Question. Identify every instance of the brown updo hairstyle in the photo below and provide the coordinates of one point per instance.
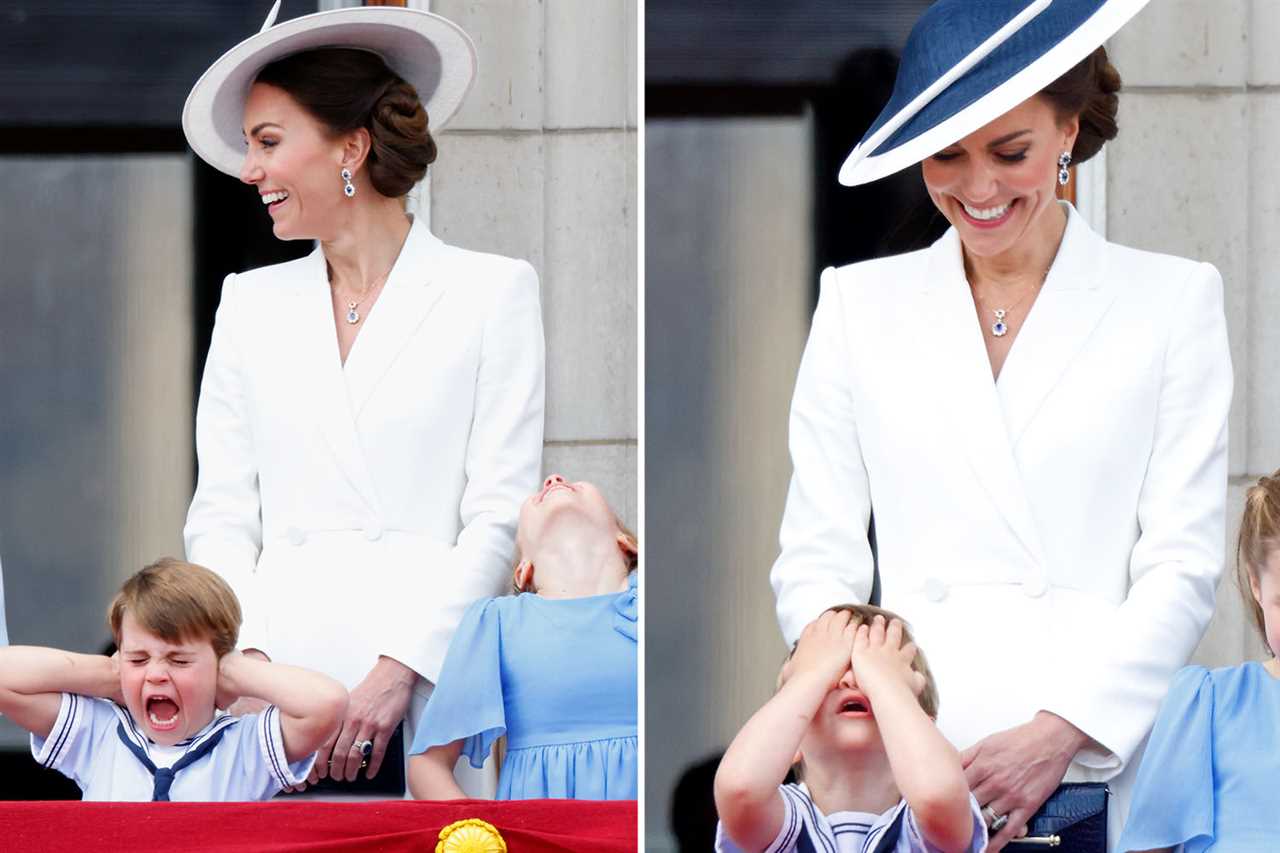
(346, 89)
(1089, 91)
(1259, 538)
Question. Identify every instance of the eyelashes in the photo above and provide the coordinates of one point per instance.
(944, 157)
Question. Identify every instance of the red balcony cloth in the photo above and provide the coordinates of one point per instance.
(529, 826)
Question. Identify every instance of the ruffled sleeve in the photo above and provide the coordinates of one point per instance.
(625, 616)
(467, 702)
(1173, 797)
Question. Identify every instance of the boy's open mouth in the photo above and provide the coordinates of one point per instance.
(854, 705)
(162, 711)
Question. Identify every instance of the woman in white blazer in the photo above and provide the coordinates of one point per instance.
(1035, 416)
(371, 415)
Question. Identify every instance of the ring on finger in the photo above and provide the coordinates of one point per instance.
(999, 823)
(364, 747)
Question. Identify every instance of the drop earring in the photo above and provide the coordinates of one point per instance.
(348, 188)
(1064, 160)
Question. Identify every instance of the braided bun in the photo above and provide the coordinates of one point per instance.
(347, 89)
(1088, 91)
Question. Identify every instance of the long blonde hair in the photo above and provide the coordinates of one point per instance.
(1259, 537)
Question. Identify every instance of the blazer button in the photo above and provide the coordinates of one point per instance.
(1036, 586)
(934, 589)
(296, 535)
(373, 533)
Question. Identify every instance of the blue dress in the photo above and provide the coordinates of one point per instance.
(1209, 777)
(558, 677)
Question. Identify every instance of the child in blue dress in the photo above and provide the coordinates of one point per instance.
(553, 668)
(1209, 777)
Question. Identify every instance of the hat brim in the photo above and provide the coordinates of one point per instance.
(431, 53)
(862, 167)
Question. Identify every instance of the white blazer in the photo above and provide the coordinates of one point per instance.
(358, 509)
(1054, 538)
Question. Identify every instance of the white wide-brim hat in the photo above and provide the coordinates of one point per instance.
(968, 62)
(431, 53)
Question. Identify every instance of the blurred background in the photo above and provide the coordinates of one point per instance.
(115, 240)
(750, 106)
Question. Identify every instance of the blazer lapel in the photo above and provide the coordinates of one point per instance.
(323, 385)
(413, 288)
(969, 406)
(1074, 299)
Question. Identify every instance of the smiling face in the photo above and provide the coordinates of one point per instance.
(996, 185)
(169, 688)
(561, 502)
(295, 164)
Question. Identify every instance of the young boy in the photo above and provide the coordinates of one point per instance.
(143, 725)
(854, 711)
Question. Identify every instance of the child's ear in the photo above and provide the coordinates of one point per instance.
(628, 544)
(524, 576)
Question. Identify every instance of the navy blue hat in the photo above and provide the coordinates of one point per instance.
(968, 62)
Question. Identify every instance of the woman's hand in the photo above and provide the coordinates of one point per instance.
(1014, 771)
(377, 705)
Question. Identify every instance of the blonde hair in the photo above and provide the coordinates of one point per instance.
(1259, 536)
(177, 601)
(864, 613)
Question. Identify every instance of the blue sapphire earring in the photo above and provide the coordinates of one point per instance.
(348, 188)
(1064, 160)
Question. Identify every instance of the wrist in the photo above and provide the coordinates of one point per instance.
(393, 668)
(1061, 732)
(808, 683)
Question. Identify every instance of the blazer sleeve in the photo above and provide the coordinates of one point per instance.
(224, 523)
(1174, 568)
(503, 466)
(826, 555)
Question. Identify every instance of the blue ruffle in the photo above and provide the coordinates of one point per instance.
(625, 611)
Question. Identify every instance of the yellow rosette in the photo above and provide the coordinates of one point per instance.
(471, 836)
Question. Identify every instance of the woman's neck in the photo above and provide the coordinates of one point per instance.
(362, 253)
(579, 566)
(1029, 258)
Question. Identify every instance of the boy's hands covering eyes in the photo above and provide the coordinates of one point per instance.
(879, 656)
(824, 648)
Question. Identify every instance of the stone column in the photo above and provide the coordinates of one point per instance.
(1194, 172)
(540, 163)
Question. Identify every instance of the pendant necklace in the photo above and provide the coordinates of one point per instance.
(353, 308)
(1000, 328)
